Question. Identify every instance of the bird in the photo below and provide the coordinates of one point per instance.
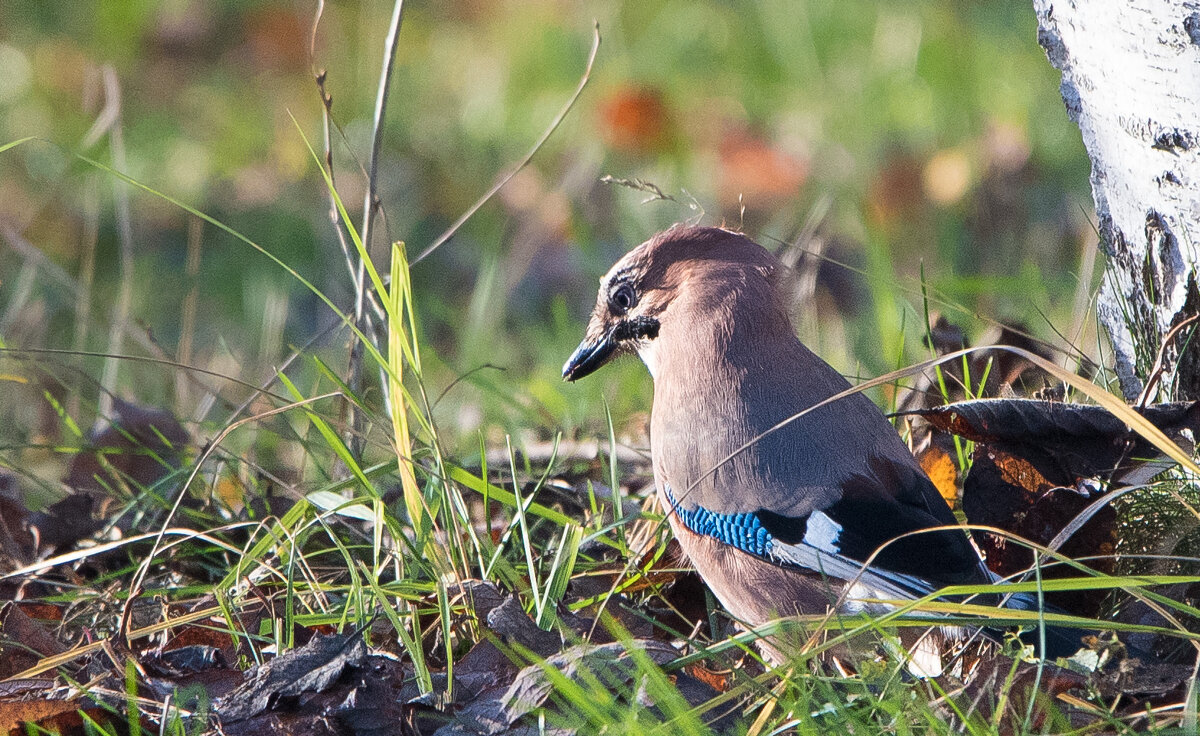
(777, 495)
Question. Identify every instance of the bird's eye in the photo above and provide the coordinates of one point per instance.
(622, 298)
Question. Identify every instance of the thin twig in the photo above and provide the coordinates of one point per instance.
(327, 137)
(329, 124)
(370, 199)
(562, 114)
(312, 36)
(370, 206)
(368, 323)
(116, 140)
(348, 413)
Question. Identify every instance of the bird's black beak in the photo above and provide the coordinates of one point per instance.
(594, 352)
(591, 354)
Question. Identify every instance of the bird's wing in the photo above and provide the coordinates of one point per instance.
(886, 516)
(824, 548)
(866, 518)
(840, 468)
(817, 550)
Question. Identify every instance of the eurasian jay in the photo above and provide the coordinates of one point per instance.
(776, 521)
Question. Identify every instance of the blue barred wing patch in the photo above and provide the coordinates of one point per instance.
(743, 531)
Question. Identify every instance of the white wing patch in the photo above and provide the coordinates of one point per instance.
(823, 533)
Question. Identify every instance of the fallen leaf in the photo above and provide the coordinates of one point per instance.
(1008, 492)
(939, 466)
(23, 641)
(38, 706)
(510, 622)
(1065, 442)
(308, 669)
(610, 664)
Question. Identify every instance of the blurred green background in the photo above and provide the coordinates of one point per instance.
(930, 135)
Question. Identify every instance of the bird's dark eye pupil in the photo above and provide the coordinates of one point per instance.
(623, 298)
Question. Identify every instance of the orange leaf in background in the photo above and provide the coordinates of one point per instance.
(757, 172)
(939, 466)
(39, 610)
(634, 120)
(277, 38)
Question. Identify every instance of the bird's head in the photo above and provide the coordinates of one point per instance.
(681, 280)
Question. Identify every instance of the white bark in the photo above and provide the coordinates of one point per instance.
(1131, 80)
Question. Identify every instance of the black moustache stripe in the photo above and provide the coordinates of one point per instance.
(638, 328)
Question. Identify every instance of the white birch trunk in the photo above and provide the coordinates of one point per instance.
(1131, 81)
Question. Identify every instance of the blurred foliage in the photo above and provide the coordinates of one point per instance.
(935, 127)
